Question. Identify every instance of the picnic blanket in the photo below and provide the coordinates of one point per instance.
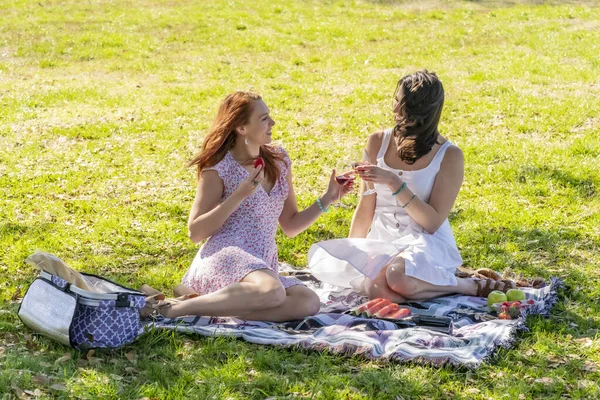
(474, 337)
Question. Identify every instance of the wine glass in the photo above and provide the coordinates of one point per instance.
(365, 161)
(370, 188)
(344, 175)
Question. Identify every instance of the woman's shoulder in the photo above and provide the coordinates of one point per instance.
(452, 150)
(453, 155)
(373, 145)
(221, 167)
(376, 137)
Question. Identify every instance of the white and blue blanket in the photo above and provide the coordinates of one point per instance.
(474, 336)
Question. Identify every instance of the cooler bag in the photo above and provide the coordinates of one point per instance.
(108, 317)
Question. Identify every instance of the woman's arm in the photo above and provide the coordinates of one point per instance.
(363, 216)
(292, 221)
(208, 214)
(443, 194)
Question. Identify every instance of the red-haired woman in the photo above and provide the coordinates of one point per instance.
(239, 203)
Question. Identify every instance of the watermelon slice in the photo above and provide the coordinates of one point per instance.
(363, 307)
(372, 310)
(401, 313)
(387, 310)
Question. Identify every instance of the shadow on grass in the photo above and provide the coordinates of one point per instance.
(532, 252)
(585, 188)
(165, 363)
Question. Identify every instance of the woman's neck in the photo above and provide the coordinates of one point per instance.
(243, 152)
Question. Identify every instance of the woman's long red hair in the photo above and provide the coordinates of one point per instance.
(234, 112)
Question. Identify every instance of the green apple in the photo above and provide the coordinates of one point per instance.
(515, 294)
(496, 296)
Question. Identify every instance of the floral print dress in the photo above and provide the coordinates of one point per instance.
(246, 241)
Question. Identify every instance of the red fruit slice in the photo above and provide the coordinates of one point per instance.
(401, 313)
(531, 301)
(372, 310)
(363, 307)
(259, 162)
(385, 311)
(506, 304)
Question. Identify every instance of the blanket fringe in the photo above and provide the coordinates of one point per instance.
(520, 326)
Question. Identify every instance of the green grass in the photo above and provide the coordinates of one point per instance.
(102, 103)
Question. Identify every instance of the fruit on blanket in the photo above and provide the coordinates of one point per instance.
(496, 296)
(363, 307)
(515, 310)
(515, 294)
(372, 310)
(385, 311)
(401, 313)
(531, 302)
(259, 162)
(504, 315)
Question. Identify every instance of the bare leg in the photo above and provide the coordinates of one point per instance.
(300, 302)
(259, 295)
(416, 289)
(378, 288)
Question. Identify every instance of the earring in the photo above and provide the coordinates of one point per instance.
(246, 141)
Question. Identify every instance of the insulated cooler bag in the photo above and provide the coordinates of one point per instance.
(109, 317)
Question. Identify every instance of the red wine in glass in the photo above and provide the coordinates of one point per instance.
(344, 179)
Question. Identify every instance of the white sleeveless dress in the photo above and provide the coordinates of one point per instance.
(429, 257)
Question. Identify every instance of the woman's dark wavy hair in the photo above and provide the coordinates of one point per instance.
(418, 103)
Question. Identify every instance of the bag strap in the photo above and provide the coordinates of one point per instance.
(120, 299)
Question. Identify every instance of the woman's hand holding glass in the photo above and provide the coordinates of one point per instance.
(340, 184)
(373, 174)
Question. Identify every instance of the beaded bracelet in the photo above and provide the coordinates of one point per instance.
(323, 210)
(399, 190)
(408, 202)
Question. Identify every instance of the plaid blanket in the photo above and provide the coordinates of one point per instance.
(471, 339)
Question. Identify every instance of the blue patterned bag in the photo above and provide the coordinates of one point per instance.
(107, 317)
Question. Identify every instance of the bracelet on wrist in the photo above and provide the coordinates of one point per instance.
(320, 204)
(397, 192)
(411, 199)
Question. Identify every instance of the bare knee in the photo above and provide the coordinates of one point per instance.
(270, 296)
(312, 303)
(374, 290)
(398, 281)
(306, 302)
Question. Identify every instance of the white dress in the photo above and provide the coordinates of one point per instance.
(429, 257)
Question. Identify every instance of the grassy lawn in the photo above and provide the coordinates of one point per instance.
(102, 103)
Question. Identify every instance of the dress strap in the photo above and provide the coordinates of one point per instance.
(385, 142)
(439, 156)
